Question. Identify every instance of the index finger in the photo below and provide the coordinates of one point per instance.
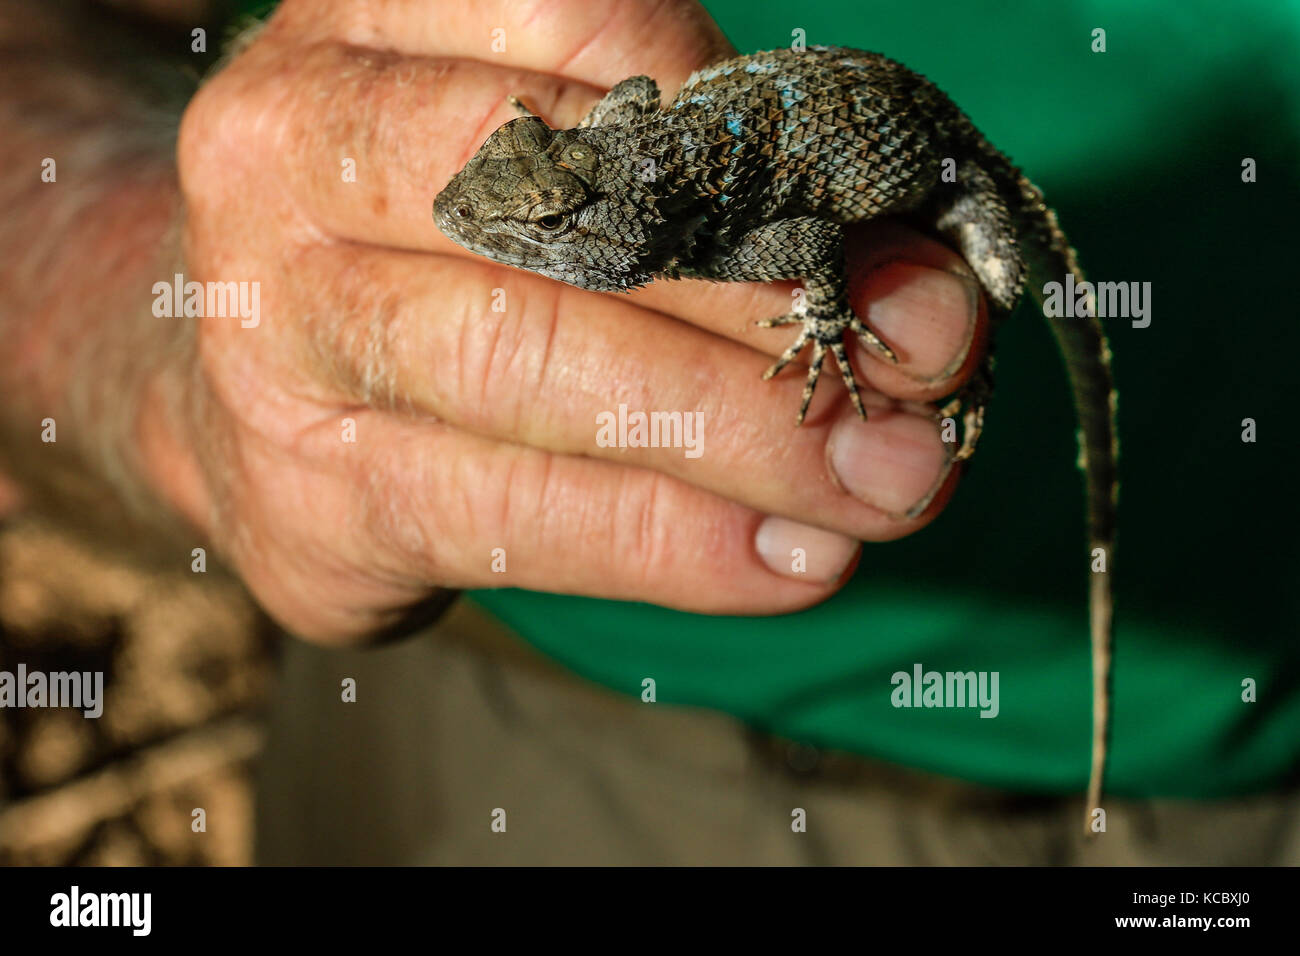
(404, 93)
(598, 42)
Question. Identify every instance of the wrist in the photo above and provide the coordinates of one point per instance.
(167, 458)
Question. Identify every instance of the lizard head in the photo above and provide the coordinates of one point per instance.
(544, 200)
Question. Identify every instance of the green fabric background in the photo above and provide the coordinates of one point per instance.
(1140, 151)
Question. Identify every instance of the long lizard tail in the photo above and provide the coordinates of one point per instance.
(1083, 345)
(1049, 258)
(1087, 361)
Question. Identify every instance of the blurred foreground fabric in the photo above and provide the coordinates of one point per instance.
(186, 662)
(447, 727)
(467, 726)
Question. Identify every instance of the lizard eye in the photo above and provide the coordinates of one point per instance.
(550, 222)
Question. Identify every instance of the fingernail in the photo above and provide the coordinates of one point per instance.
(920, 311)
(892, 462)
(801, 551)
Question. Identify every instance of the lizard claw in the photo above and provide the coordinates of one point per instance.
(519, 106)
(814, 372)
(872, 340)
(971, 403)
(790, 318)
(826, 335)
(846, 375)
(788, 356)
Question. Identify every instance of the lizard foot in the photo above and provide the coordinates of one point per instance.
(971, 402)
(826, 334)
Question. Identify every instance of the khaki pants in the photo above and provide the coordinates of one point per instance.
(452, 727)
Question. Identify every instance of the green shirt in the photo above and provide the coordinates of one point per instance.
(1140, 149)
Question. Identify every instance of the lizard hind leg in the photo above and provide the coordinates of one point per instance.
(971, 403)
(975, 218)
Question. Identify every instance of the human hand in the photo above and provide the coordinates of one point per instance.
(476, 429)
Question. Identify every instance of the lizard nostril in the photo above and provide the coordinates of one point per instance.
(462, 212)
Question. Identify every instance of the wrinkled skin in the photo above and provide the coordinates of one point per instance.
(474, 425)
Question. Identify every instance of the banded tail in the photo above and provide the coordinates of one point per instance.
(1087, 357)
(1087, 363)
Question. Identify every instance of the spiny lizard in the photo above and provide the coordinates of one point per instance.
(751, 174)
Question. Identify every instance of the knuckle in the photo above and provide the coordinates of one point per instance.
(317, 591)
(232, 122)
(358, 340)
(498, 358)
(642, 530)
(410, 531)
(194, 145)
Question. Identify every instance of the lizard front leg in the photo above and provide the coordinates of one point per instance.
(627, 101)
(810, 249)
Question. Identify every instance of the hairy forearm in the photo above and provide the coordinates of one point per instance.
(91, 206)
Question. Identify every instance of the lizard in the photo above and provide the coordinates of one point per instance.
(751, 173)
